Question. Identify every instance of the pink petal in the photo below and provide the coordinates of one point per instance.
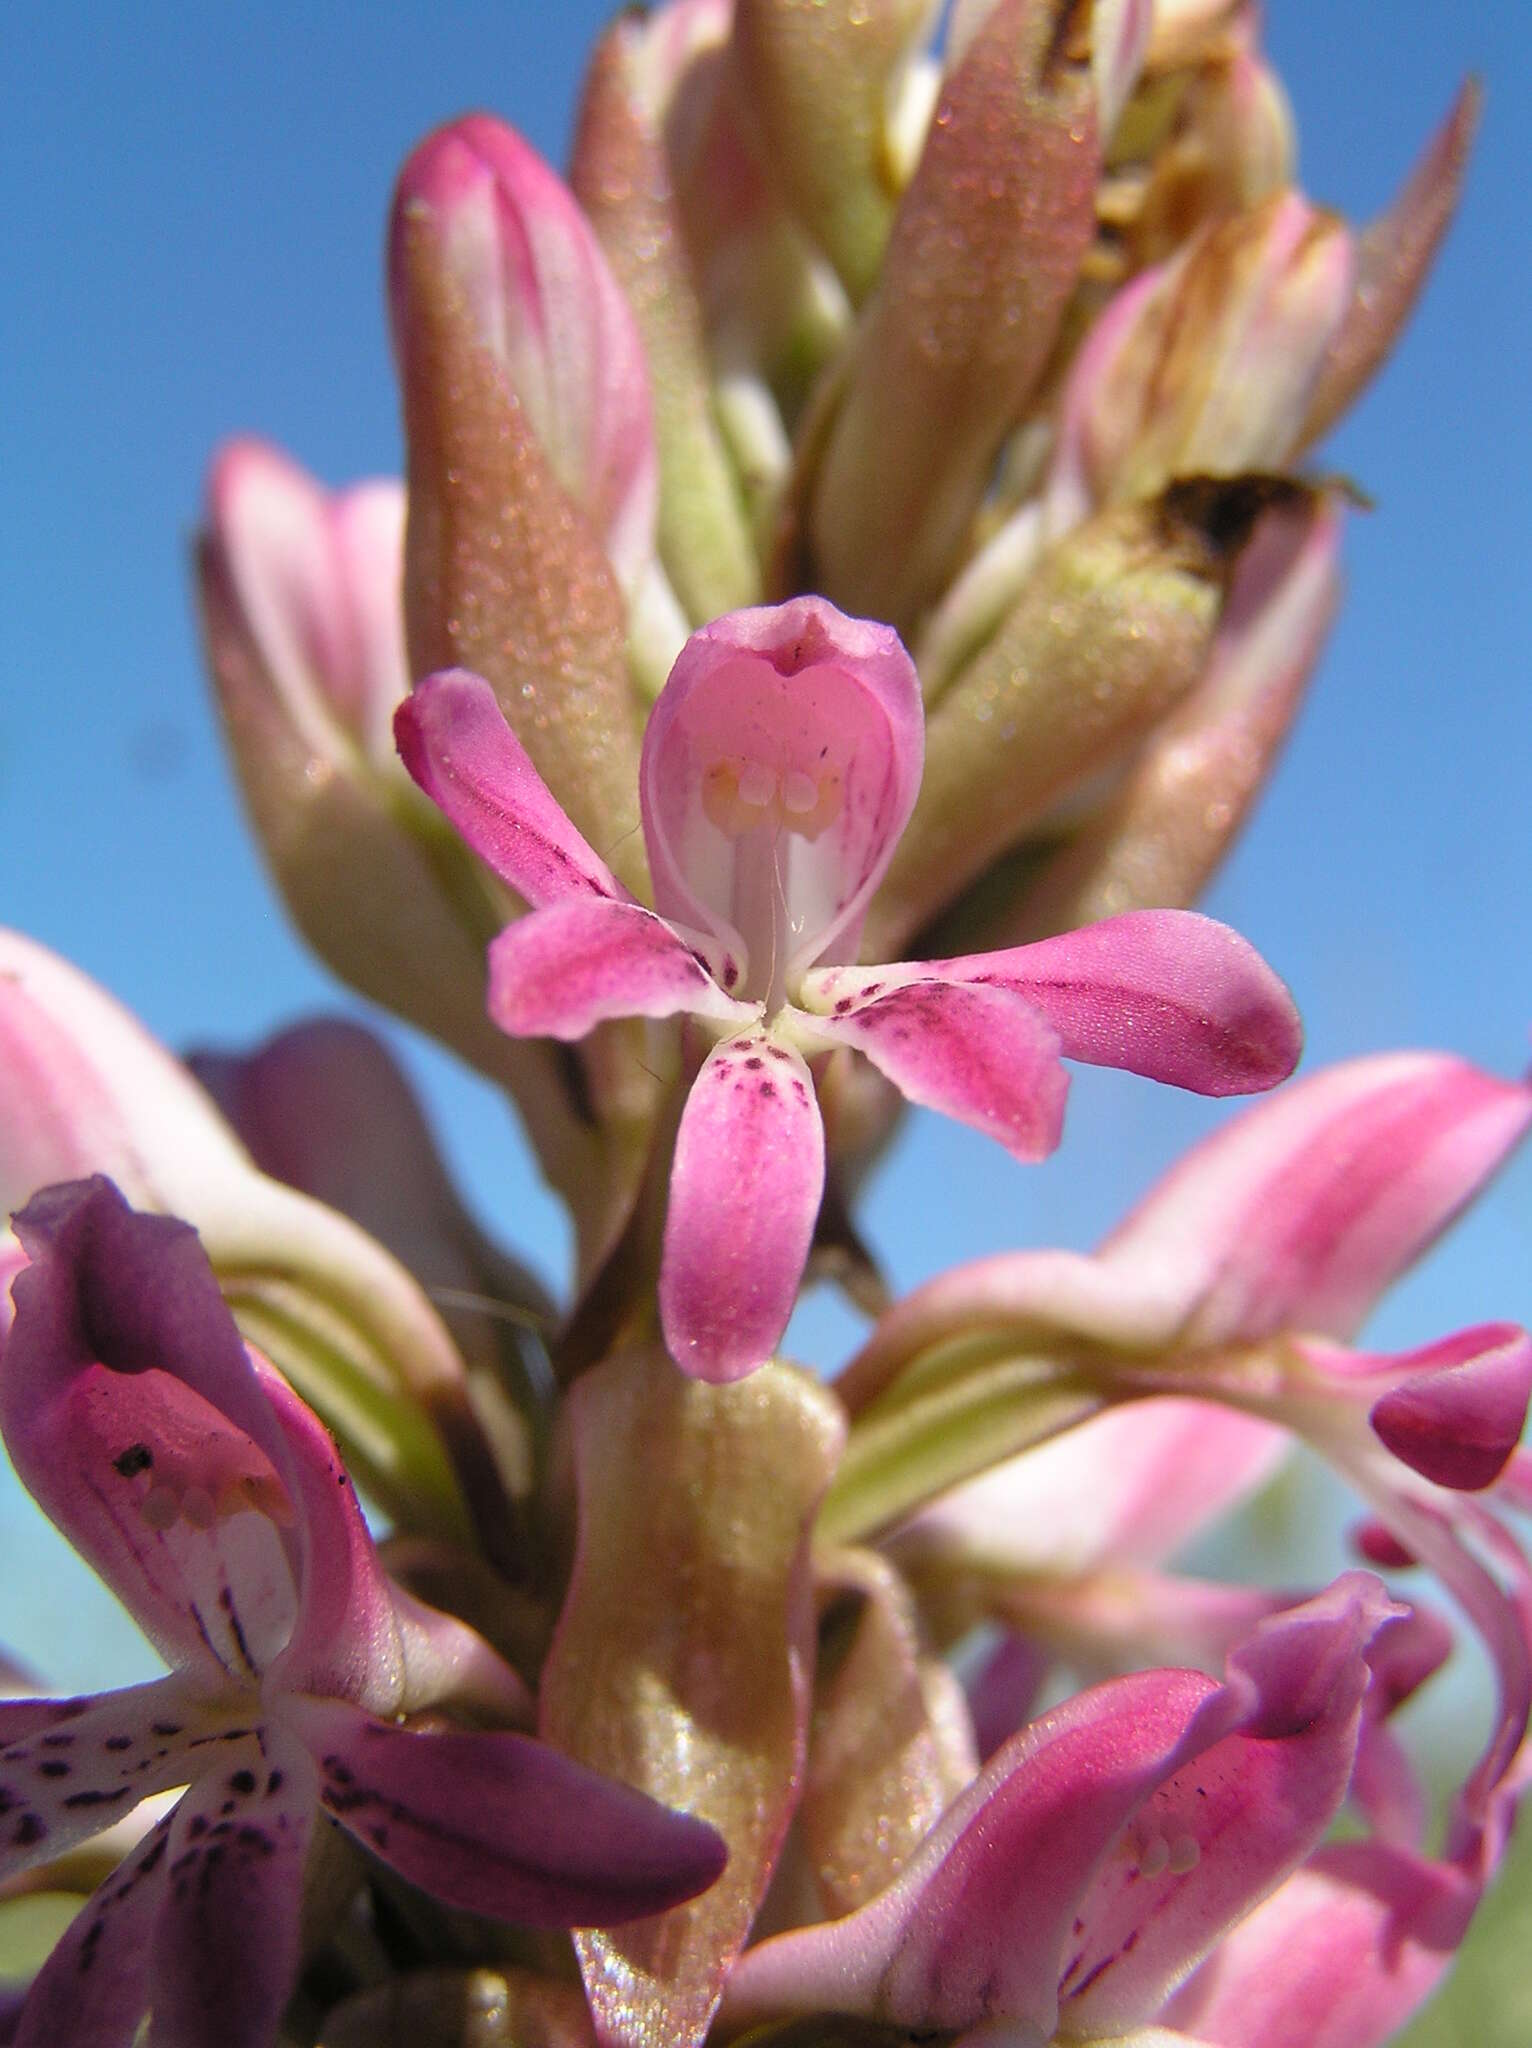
(744, 1192)
(92, 1991)
(822, 705)
(503, 1825)
(1241, 1812)
(1458, 1419)
(356, 1635)
(224, 1952)
(551, 315)
(1339, 1956)
(134, 1417)
(70, 1768)
(85, 1089)
(565, 969)
(309, 584)
(1130, 1486)
(457, 745)
(1017, 1904)
(978, 1054)
(1301, 1211)
(1165, 993)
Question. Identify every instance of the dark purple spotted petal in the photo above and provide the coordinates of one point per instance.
(501, 1824)
(70, 1768)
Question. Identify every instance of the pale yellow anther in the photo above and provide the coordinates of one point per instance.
(738, 795)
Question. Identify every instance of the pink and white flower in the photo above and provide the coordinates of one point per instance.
(779, 767)
(185, 1470)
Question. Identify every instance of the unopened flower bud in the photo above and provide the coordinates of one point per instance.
(622, 177)
(825, 85)
(1107, 635)
(1207, 366)
(506, 570)
(981, 262)
(546, 306)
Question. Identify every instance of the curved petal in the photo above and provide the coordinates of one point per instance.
(224, 1952)
(1131, 1486)
(1339, 1956)
(978, 1054)
(312, 585)
(134, 1417)
(1301, 1211)
(744, 1192)
(503, 1825)
(1017, 1902)
(85, 1089)
(1457, 1419)
(1166, 993)
(454, 740)
(93, 1989)
(71, 1768)
(566, 968)
(799, 719)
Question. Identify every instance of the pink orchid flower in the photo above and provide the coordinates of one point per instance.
(1104, 1850)
(1240, 1280)
(184, 1469)
(779, 767)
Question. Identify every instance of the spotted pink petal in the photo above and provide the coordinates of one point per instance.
(1166, 993)
(566, 968)
(1301, 1211)
(224, 1952)
(549, 312)
(69, 1768)
(1104, 1849)
(503, 1825)
(94, 1987)
(974, 1053)
(454, 740)
(744, 1192)
(826, 710)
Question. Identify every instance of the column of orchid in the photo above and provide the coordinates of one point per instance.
(851, 579)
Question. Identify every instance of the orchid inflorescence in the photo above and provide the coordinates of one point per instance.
(851, 581)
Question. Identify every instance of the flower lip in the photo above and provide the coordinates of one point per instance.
(779, 767)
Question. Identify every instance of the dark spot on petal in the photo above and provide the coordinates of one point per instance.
(730, 973)
(843, 1006)
(53, 1767)
(755, 1061)
(136, 1458)
(165, 1727)
(29, 1829)
(118, 1742)
(242, 1782)
(766, 1088)
(99, 1798)
(779, 1052)
(275, 1782)
(57, 1741)
(196, 1827)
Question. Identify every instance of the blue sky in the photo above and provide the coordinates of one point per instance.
(196, 200)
